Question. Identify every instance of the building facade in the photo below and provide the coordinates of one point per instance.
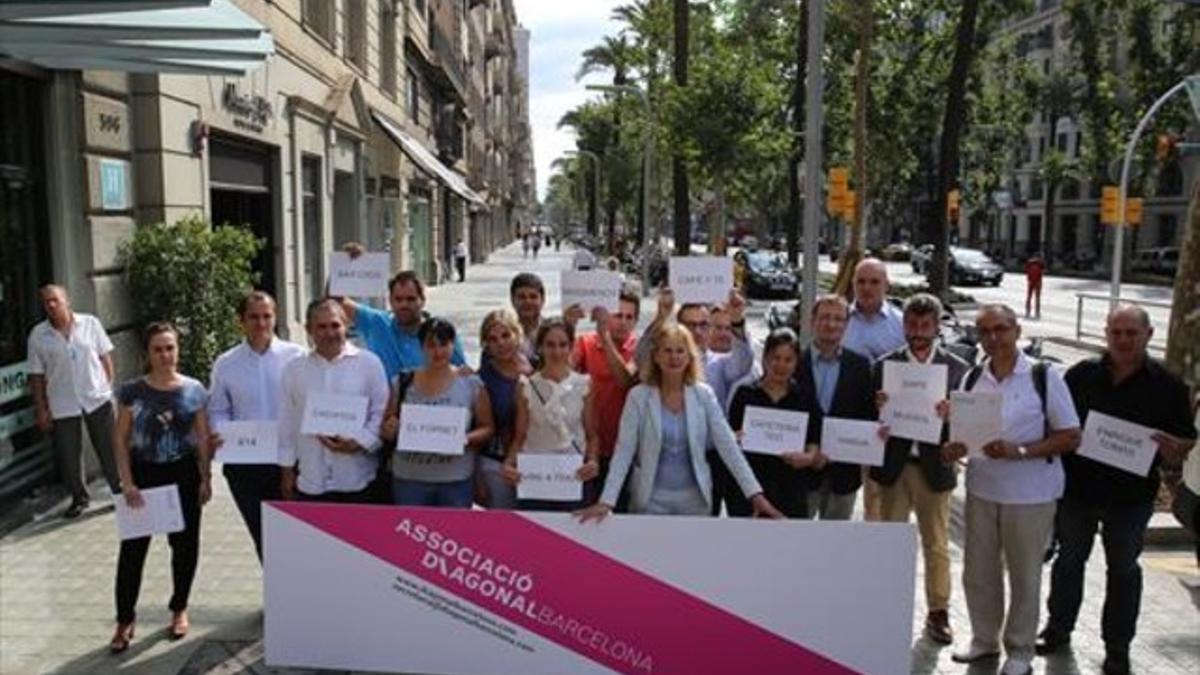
(368, 123)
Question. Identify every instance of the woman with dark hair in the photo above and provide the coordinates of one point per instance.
(161, 438)
(781, 476)
(554, 413)
(427, 478)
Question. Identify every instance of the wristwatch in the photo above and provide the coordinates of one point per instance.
(1023, 451)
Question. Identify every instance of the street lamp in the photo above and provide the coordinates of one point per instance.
(646, 149)
(594, 213)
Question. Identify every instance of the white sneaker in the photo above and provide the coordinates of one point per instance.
(1015, 665)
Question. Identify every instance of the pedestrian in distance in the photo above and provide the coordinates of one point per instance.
(460, 259)
(526, 244)
(427, 478)
(161, 438)
(246, 385)
(319, 467)
(913, 477)
(1035, 268)
(70, 378)
(668, 422)
(502, 369)
(555, 414)
(535, 243)
(1124, 382)
(1012, 492)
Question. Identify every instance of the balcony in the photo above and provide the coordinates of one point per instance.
(447, 60)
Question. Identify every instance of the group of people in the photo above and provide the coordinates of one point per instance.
(656, 421)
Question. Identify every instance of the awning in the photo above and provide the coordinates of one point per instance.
(206, 37)
(427, 161)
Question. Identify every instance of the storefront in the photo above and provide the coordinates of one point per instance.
(241, 192)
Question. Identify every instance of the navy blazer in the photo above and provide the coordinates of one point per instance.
(853, 398)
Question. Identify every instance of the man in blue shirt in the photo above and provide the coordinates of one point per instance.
(392, 336)
(875, 327)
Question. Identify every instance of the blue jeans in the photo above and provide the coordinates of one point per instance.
(1122, 533)
(456, 494)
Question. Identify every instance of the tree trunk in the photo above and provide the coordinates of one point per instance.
(1183, 337)
(679, 177)
(793, 212)
(854, 250)
(952, 123)
(1051, 186)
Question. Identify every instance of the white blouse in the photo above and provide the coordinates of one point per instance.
(555, 413)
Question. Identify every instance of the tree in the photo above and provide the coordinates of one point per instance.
(679, 176)
(1057, 94)
(1183, 336)
(192, 275)
(853, 253)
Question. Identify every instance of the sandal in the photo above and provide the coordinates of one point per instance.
(121, 638)
(179, 625)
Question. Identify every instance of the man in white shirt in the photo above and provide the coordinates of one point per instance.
(460, 260)
(246, 386)
(1012, 492)
(330, 468)
(70, 377)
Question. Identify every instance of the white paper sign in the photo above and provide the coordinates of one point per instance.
(329, 414)
(160, 514)
(913, 391)
(437, 429)
(851, 441)
(595, 288)
(771, 431)
(363, 277)
(704, 279)
(549, 476)
(976, 419)
(1116, 442)
(248, 442)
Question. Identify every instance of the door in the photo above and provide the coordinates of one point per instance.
(241, 192)
(419, 239)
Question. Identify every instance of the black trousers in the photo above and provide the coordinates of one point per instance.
(461, 264)
(251, 485)
(185, 544)
(782, 485)
(364, 496)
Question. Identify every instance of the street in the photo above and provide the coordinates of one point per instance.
(56, 576)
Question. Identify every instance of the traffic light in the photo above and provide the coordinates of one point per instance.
(1133, 211)
(952, 206)
(1110, 210)
(849, 206)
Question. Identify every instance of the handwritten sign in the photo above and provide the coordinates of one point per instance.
(549, 476)
(913, 392)
(598, 288)
(1118, 443)
(437, 429)
(363, 277)
(160, 514)
(249, 442)
(976, 419)
(330, 414)
(702, 279)
(851, 441)
(772, 432)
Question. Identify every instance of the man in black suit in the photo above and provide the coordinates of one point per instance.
(913, 476)
(839, 384)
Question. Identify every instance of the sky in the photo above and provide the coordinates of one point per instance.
(560, 30)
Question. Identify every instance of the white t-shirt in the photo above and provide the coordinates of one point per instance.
(460, 250)
(75, 378)
(1023, 481)
(555, 413)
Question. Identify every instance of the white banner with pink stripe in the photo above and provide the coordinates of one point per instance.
(455, 591)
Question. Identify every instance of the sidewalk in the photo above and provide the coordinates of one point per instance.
(56, 577)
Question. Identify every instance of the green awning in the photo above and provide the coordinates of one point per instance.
(164, 36)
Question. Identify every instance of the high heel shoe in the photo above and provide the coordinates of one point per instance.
(179, 625)
(121, 638)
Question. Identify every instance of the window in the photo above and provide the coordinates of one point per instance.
(1041, 147)
(310, 191)
(317, 16)
(1168, 225)
(413, 97)
(1062, 143)
(1078, 143)
(356, 33)
(387, 47)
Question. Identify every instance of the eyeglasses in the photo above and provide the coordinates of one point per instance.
(985, 331)
(697, 325)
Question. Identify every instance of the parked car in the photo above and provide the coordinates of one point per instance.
(900, 251)
(768, 274)
(972, 266)
(920, 257)
(1164, 261)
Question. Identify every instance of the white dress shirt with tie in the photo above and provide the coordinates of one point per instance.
(354, 372)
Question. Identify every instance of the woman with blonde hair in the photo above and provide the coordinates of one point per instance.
(502, 368)
(669, 420)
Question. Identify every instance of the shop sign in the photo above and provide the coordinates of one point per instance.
(114, 184)
(13, 382)
(249, 111)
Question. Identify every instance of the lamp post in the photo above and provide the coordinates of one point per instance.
(593, 213)
(814, 118)
(646, 150)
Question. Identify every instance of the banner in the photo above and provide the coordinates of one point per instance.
(460, 591)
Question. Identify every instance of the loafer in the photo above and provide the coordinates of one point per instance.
(1051, 641)
(1014, 665)
(975, 653)
(1116, 662)
(937, 627)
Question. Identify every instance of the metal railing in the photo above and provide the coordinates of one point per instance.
(1159, 342)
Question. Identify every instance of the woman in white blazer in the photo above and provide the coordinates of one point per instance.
(667, 424)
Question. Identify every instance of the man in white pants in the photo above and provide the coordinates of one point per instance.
(1011, 493)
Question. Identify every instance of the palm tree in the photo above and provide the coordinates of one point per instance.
(1057, 94)
(615, 54)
